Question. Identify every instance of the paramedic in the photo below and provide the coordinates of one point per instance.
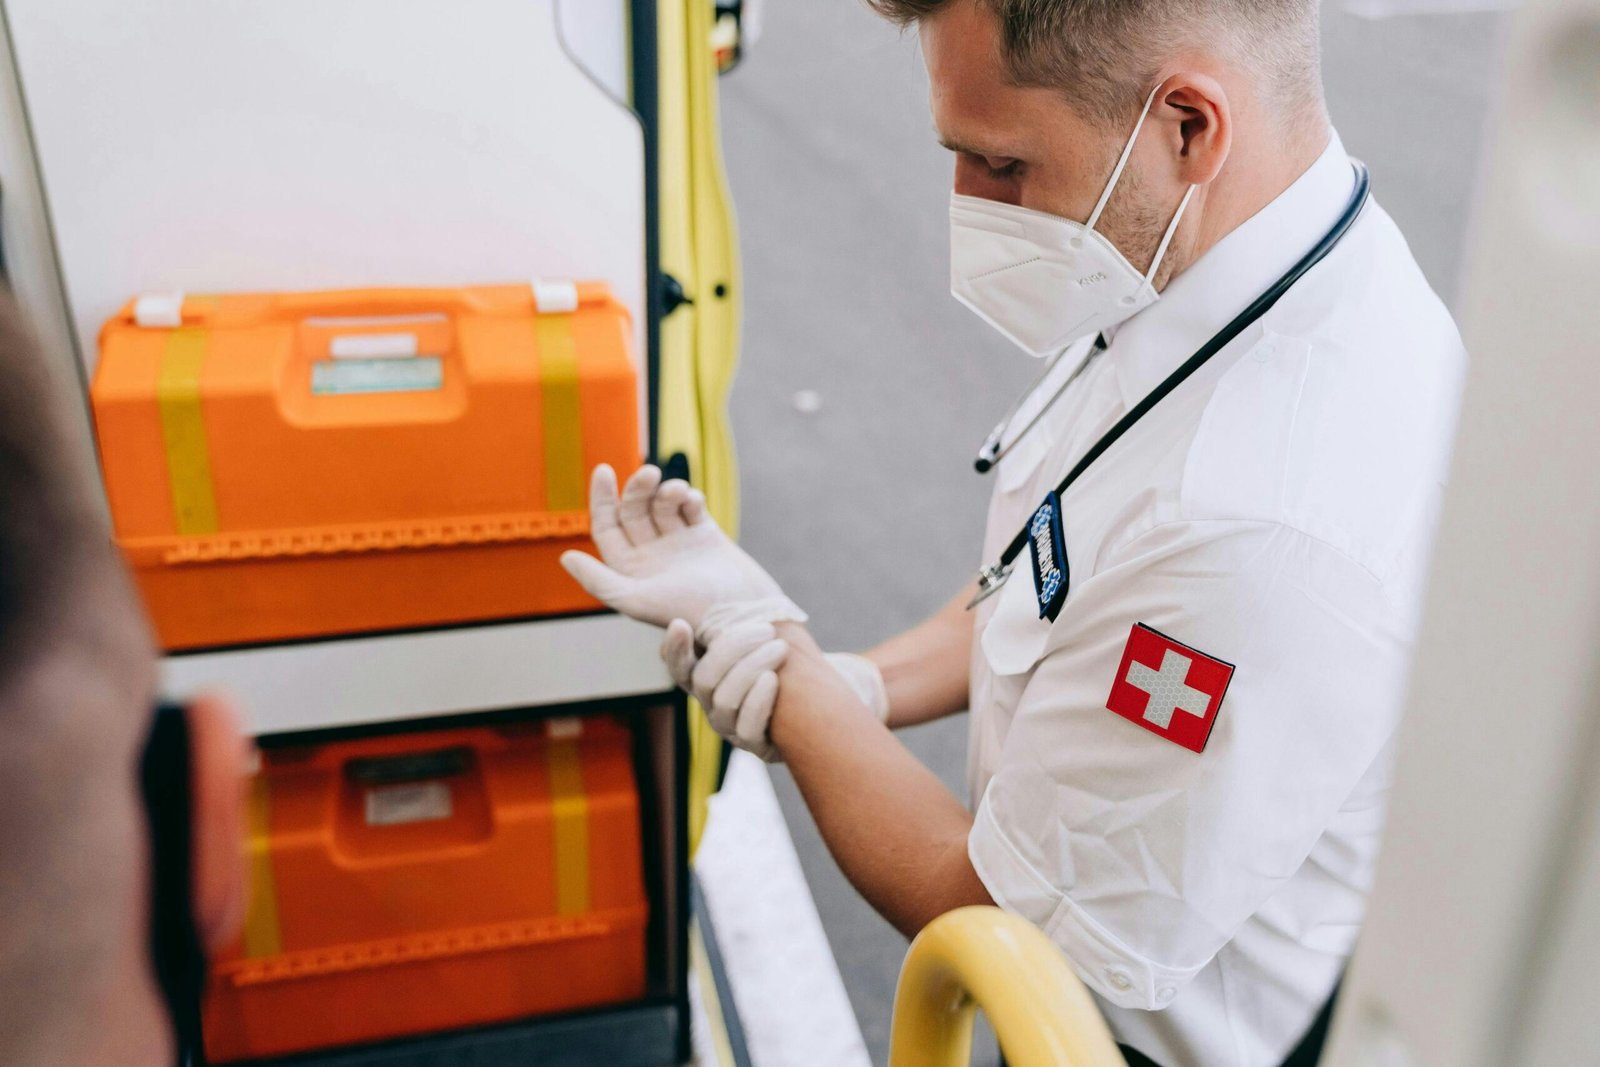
(78, 984)
(1181, 775)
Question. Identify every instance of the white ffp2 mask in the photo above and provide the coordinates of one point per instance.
(1044, 281)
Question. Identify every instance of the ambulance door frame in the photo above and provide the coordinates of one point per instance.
(645, 102)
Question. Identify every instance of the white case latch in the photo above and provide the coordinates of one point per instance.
(156, 311)
(555, 297)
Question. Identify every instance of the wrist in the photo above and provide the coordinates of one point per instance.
(801, 643)
(721, 616)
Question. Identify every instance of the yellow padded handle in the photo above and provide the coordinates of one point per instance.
(984, 958)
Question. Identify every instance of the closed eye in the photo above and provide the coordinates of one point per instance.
(994, 167)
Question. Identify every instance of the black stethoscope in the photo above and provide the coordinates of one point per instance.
(1043, 530)
(992, 451)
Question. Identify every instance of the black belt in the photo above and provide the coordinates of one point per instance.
(1305, 1054)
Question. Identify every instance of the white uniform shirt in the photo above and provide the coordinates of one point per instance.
(1273, 513)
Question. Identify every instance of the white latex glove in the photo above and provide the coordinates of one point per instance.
(736, 680)
(664, 556)
(865, 678)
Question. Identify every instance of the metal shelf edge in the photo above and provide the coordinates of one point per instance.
(357, 680)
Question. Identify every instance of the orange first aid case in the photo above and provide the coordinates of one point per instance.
(418, 883)
(292, 465)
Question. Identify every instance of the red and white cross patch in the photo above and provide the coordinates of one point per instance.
(1169, 688)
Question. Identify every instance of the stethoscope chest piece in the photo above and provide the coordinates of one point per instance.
(990, 581)
(1047, 549)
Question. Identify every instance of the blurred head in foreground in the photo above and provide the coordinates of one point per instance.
(78, 970)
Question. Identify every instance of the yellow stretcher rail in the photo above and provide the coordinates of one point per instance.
(982, 957)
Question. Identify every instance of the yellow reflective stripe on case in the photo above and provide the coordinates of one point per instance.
(565, 481)
(261, 934)
(183, 431)
(569, 809)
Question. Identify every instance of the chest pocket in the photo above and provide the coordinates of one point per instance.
(1056, 415)
(1016, 471)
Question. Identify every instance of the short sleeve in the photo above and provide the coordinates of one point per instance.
(1138, 856)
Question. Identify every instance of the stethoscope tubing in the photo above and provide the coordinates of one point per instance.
(993, 451)
(992, 577)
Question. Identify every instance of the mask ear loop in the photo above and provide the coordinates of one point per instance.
(1166, 238)
(1122, 161)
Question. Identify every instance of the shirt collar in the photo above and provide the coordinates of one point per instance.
(1232, 273)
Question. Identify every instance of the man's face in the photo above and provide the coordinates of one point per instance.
(1027, 146)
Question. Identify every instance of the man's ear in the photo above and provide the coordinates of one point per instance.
(220, 757)
(1201, 124)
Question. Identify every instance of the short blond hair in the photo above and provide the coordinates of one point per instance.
(1104, 55)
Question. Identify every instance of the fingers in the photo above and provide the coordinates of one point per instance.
(728, 701)
(735, 681)
(634, 512)
(728, 648)
(694, 507)
(667, 507)
(677, 652)
(603, 524)
(601, 582)
(755, 719)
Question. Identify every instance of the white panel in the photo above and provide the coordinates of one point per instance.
(791, 998)
(1479, 946)
(30, 262)
(299, 144)
(596, 33)
(407, 676)
(29, 253)
(1560, 1026)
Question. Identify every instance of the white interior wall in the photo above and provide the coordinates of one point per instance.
(596, 34)
(302, 144)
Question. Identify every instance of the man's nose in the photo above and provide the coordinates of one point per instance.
(972, 178)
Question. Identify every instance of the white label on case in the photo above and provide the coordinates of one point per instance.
(374, 346)
(336, 378)
(395, 805)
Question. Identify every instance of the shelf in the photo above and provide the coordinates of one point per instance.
(360, 680)
(618, 1037)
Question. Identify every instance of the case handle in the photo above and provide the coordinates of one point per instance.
(379, 303)
(543, 296)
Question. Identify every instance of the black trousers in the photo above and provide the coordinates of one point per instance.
(1305, 1054)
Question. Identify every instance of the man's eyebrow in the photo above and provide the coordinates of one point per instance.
(953, 145)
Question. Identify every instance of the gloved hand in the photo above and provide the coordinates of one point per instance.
(664, 556)
(736, 680)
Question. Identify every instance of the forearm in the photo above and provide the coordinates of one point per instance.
(897, 833)
(926, 669)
